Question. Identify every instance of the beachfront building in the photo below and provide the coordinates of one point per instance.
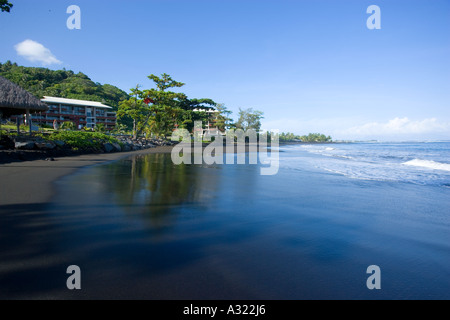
(211, 127)
(81, 112)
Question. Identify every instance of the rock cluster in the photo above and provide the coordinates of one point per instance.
(31, 148)
(130, 144)
(37, 143)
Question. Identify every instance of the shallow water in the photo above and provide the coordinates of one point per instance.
(145, 228)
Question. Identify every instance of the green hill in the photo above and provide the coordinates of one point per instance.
(62, 83)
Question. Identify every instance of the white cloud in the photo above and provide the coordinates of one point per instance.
(399, 126)
(354, 128)
(35, 52)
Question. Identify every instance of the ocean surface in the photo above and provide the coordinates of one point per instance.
(144, 228)
(417, 163)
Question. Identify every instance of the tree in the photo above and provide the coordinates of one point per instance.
(249, 119)
(166, 108)
(5, 5)
(286, 137)
(165, 82)
(100, 127)
(189, 116)
(68, 125)
(316, 137)
(155, 111)
(120, 129)
(223, 120)
(136, 109)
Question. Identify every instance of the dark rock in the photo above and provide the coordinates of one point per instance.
(108, 147)
(45, 145)
(117, 147)
(127, 147)
(27, 145)
(6, 142)
(59, 143)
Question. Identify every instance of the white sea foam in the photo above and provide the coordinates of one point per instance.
(379, 162)
(343, 157)
(428, 164)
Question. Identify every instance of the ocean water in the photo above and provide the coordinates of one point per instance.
(407, 162)
(144, 228)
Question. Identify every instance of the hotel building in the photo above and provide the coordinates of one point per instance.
(82, 113)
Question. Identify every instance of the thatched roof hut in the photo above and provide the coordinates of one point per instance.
(15, 100)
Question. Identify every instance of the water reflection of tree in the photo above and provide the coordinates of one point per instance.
(152, 186)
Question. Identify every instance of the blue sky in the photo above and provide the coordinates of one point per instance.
(310, 66)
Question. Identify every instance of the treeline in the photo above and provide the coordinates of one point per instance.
(159, 110)
(62, 83)
(312, 137)
(154, 111)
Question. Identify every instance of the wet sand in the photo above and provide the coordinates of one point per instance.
(32, 181)
(32, 242)
(142, 228)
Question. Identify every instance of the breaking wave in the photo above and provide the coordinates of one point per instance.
(429, 164)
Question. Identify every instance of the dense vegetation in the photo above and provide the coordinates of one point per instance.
(61, 83)
(159, 110)
(81, 139)
(5, 5)
(312, 137)
(154, 111)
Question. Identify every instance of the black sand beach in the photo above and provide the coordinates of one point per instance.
(31, 181)
(143, 228)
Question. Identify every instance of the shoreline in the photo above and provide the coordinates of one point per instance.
(148, 253)
(32, 182)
